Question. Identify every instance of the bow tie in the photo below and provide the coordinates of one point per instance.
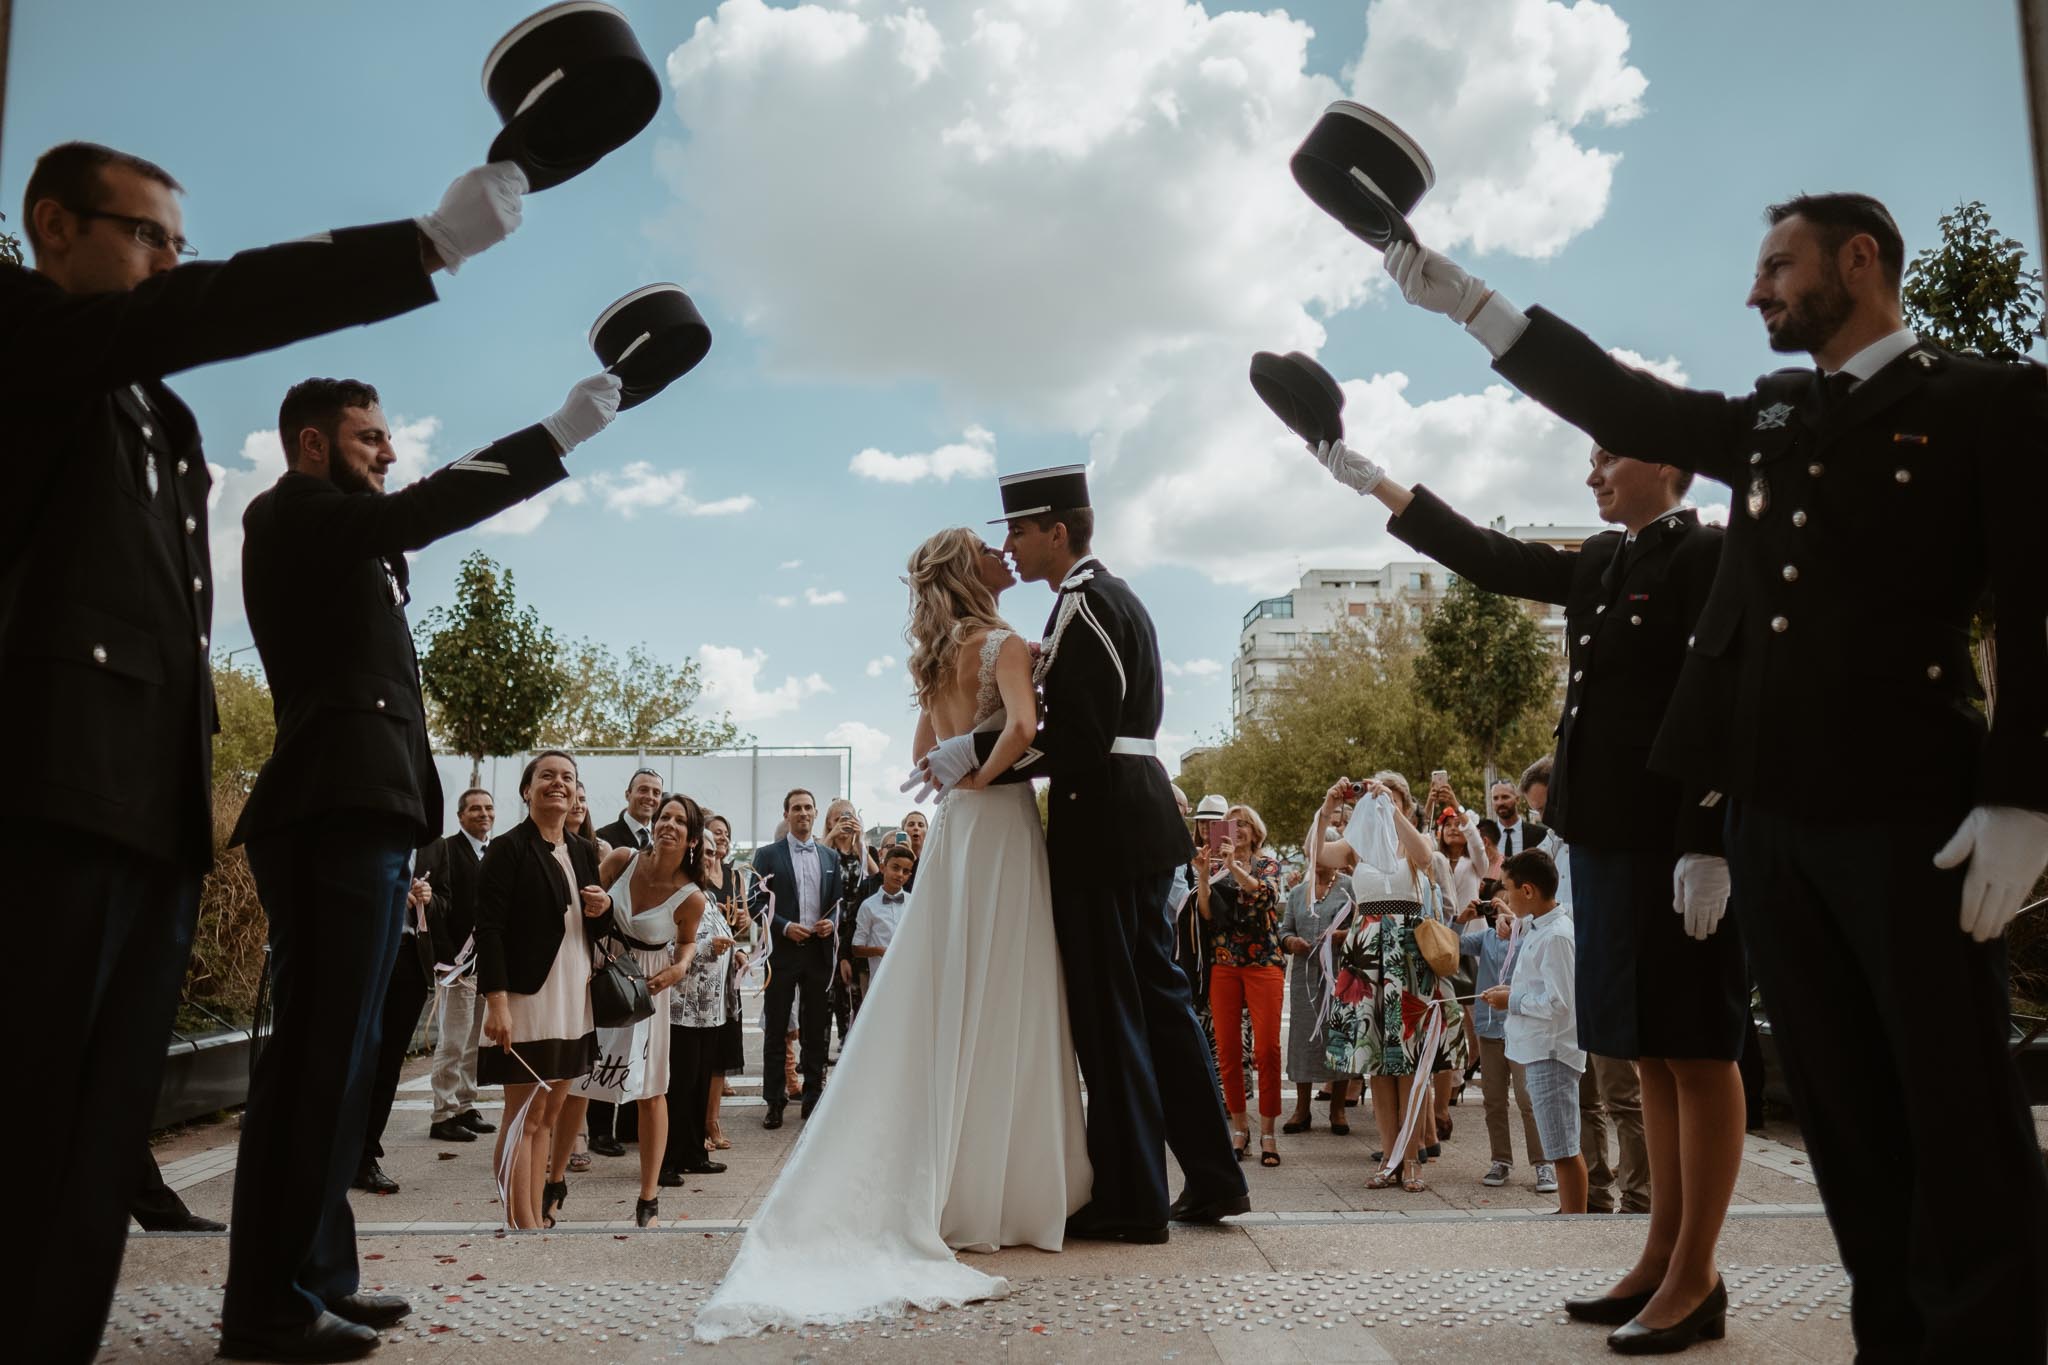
(810, 847)
(888, 899)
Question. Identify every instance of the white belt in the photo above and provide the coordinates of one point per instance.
(1138, 748)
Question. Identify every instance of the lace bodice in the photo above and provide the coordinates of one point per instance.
(988, 700)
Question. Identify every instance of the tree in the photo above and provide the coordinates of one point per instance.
(248, 728)
(640, 704)
(492, 670)
(1484, 665)
(10, 245)
(1974, 293)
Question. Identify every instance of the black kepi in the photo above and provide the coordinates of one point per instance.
(571, 85)
(1063, 488)
(1362, 170)
(649, 339)
(1301, 394)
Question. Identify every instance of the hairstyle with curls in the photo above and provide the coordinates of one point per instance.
(948, 603)
(693, 832)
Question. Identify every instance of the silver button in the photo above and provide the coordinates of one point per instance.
(1756, 457)
(99, 654)
(1691, 640)
(1791, 573)
(183, 465)
(1904, 476)
(1780, 624)
(1671, 524)
(1598, 610)
(1073, 796)
(146, 430)
(1575, 710)
(1934, 672)
(1578, 675)
(198, 584)
(1585, 639)
(1816, 469)
(1799, 518)
(380, 703)
(191, 525)
(1635, 620)
(204, 642)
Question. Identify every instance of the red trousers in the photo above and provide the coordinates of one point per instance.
(1232, 990)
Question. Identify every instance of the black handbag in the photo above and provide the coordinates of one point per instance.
(619, 996)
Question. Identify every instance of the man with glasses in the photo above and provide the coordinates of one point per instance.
(106, 604)
(612, 1126)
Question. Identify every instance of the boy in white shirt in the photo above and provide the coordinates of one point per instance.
(1542, 1026)
(876, 923)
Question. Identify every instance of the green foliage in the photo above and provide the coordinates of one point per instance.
(1973, 293)
(1352, 707)
(642, 703)
(248, 727)
(1485, 665)
(491, 669)
(10, 245)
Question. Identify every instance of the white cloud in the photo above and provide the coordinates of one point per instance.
(1668, 369)
(732, 682)
(974, 456)
(1193, 668)
(791, 564)
(879, 764)
(833, 598)
(877, 667)
(783, 601)
(524, 517)
(641, 487)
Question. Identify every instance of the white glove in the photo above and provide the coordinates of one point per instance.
(480, 209)
(2006, 848)
(1433, 281)
(587, 410)
(943, 766)
(1348, 467)
(1699, 893)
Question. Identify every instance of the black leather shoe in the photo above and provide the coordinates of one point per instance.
(1214, 1210)
(553, 1194)
(774, 1119)
(370, 1176)
(1708, 1322)
(327, 1337)
(183, 1221)
(475, 1123)
(705, 1167)
(374, 1311)
(452, 1130)
(1606, 1309)
(605, 1145)
(1081, 1228)
(670, 1178)
(810, 1103)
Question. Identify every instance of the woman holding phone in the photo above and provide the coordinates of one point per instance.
(1237, 894)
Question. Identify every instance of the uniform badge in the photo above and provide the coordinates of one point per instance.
(1759, 496)
(149, 473)
(397, 593)
(1773, 416)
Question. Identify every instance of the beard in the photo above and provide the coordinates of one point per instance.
(350, 479)
(1812, 319)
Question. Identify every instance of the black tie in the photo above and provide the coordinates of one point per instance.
(1834, 388)
(641, 835)
(1509, 839)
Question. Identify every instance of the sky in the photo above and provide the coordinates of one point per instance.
(938, 242)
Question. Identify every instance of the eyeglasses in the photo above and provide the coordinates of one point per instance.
(147, 231)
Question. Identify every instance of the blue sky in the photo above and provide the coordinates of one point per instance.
(1053, 234)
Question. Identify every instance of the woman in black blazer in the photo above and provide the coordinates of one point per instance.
(538, 908)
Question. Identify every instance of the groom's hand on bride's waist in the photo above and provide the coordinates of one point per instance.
(943, 766)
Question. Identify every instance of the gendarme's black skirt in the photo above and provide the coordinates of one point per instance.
(1645, 989)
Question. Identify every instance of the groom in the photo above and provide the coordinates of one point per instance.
(1150, 1079)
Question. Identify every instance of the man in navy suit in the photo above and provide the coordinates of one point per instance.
(800, 881)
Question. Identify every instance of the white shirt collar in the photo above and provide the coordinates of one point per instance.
(1673, 510)
(476, 845)
(1074, 575)
(1879, 354)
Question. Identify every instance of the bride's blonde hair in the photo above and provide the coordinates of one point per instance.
(948, 603)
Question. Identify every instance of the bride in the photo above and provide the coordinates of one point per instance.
(958, 1090)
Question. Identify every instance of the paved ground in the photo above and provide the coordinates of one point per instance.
(1323, 1270)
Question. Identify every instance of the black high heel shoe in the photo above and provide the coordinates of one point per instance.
(645, 1210)
(1708, 1322)
(1609, 1310)
(553, 1194)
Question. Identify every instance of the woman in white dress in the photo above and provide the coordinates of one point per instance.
(960, 1093)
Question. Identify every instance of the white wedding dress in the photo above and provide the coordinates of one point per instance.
(953, 1119)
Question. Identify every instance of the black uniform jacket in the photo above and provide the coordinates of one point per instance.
(520, 904)
(106, 588)
(1627, 617)
(1863, 536)
(1108, 816)
(451, 915)
(772, 860)
(324, 579)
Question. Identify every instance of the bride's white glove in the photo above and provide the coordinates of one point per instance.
(1699, 893)
(2006, 847)
(942, 767)
(1348, 467)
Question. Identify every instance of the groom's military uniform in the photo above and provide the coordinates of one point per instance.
(1113, 840)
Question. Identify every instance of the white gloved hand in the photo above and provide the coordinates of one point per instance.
(480, 210)
(1348, 467)
(2006, 848)
(587, 410)
(1433, 281)
(1699, 893)
(943, 766)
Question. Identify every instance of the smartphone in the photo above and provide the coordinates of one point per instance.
(1438, 777)
(1220, 835)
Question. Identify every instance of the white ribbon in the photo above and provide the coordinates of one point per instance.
(1420, 1089)
(515, 1129)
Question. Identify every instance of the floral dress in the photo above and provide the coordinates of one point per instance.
(1379, 1007)
(1244, 921)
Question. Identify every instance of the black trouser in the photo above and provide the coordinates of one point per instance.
(335, 891)
(1151, 1078)
(404, 997)
(100, 1002)
(155, 1202)
(692, 1058)
(1892, 1028)
(799, 974)
(619, 1121)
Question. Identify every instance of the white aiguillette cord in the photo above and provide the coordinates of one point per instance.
(515, 1128)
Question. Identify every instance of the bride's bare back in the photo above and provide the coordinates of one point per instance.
(973, 693)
